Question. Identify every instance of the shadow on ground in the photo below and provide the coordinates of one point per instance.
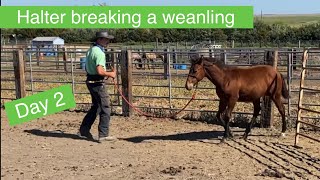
(190, 136)
(57, 134)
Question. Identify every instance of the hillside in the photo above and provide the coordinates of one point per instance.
(290, 19)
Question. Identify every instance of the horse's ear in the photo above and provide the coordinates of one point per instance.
(200, 59)
(197, 59)
(193, 58)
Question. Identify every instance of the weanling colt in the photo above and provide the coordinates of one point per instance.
(235, 84)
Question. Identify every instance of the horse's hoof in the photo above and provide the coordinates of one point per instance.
(230, 135)
(223, 140)
(245, 136)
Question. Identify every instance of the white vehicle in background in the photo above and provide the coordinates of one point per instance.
(206, 49)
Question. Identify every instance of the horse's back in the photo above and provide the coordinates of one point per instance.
(151, 55)
(135, 56)
(251, 73)
(252, 82)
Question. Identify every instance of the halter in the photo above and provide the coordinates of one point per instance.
(194, 75)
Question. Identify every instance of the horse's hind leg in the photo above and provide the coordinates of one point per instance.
(139, 65)
(256, 111)
(277, 101)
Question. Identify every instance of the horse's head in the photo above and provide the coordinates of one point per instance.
(196, 73)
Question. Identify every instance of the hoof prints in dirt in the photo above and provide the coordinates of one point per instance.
(280, 160)
(172, 170)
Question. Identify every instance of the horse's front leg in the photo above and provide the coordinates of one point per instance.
(221, 110)
(149, 63)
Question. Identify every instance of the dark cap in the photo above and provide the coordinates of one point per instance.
(103, 34)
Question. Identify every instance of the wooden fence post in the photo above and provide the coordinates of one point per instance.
(126, 81)
(24, 57)
(56, 55)
(65, 57)
(38, 56)
(19, 68)
(267, 111)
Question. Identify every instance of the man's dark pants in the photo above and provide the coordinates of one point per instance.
(100, 105)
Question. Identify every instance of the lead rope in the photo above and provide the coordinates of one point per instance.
(152, 115)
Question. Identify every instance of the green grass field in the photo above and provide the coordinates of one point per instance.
(290, 19)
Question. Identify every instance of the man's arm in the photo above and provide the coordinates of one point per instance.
(102, 72)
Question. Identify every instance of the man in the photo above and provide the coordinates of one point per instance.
(96, 72)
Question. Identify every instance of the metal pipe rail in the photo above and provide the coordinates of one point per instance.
(13, 80)
(309, 110)
(7, 89)
(307, 117)
(6, 98)
(312, 68)
(186, 98)
(91, 103)
(310, 89)
(191, 110)
(165, 86)
(7, 70)
(306, 104)
(309, 124)
(304, 135)
(42, 90)
(217, 51)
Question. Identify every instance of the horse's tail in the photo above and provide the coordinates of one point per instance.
(284, 91)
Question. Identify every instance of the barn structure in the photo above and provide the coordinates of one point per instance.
(47, 45)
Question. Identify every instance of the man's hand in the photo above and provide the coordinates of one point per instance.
(112, 73)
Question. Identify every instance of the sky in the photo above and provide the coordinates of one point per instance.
(266, 6)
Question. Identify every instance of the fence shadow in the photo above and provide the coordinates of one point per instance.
(190, 136)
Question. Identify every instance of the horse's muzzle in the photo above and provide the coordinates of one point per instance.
(189, 86)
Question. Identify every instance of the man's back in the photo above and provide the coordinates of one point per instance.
(95, 57)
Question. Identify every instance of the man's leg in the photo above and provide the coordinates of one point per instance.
(105, 112)
(92, 113)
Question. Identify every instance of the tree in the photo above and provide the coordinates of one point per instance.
(262, 31)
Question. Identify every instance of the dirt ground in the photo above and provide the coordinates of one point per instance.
(48, 148)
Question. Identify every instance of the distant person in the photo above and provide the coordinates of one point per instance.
(96, 73)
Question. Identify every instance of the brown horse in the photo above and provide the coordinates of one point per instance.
(235, 84)
(136, 57)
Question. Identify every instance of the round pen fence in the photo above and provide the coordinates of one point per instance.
(155, 84)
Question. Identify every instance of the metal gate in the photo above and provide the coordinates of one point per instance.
(307, 112)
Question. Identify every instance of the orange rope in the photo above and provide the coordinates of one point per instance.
(147, 114)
